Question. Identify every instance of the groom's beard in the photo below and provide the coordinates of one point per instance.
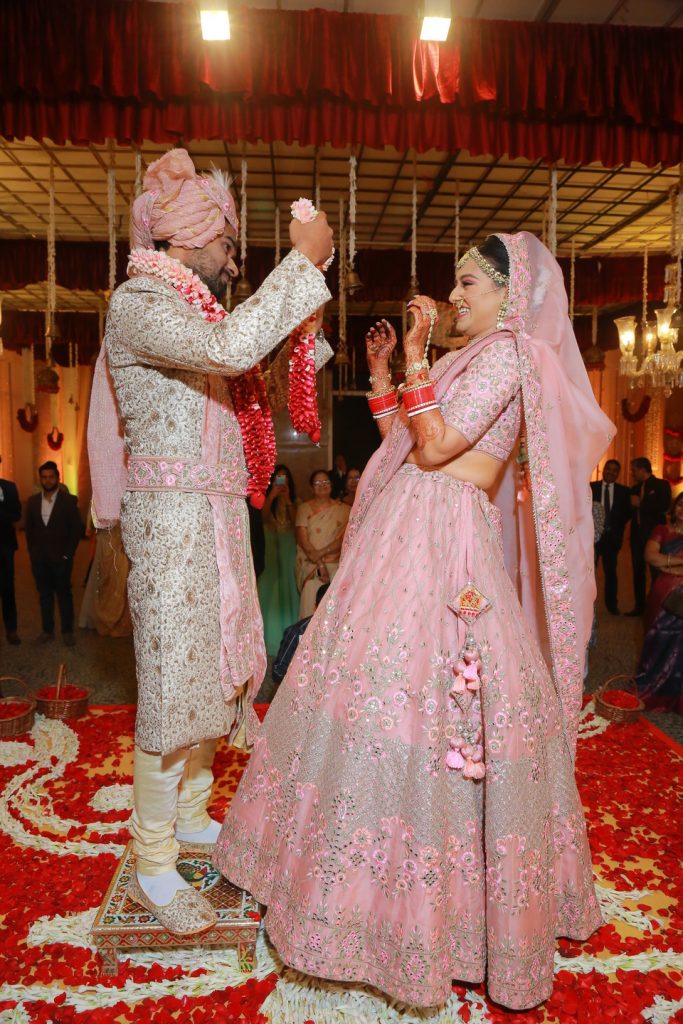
(214, 281)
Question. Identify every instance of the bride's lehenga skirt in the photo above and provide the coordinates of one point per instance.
(377, 861)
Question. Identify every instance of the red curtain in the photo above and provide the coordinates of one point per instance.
(135, 70)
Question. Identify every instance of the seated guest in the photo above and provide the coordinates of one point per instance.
(320, 526)
(660, 671)
(351, 482)
(290, 640)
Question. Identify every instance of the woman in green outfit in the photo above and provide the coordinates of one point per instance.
(277, 588)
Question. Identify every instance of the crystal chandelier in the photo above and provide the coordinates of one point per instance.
(659, 367)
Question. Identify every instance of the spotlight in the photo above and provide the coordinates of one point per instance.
(435, 30)
(215, 24)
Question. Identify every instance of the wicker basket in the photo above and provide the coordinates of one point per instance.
(63, 707)
(23, 721)
(614, 714)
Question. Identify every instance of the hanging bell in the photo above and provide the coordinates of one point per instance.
(53, 332)
(353, 282)
(676, 321)
(242, 291)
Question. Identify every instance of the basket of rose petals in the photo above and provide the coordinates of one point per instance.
(618, 700)
(63, 699)
(17, 710)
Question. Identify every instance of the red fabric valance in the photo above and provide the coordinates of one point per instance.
(135, 70)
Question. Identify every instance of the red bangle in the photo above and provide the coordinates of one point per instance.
(383, 404)
(420, 398)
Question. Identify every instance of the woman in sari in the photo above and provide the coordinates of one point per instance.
(277, 590)
(351, 481)
(409, 813)
(660, 671)
(320, 526)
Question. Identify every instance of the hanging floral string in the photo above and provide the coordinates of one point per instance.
(572, 281)
(456, 232)
(138, 173)
(317, 180)
(278, 250)
(552, 212)
(51, 270)
(413, 240)
(678, 243)
(342, 357)
(111, 222)
(646, 254)
(1, 345)
(243, 218)
(352, 211)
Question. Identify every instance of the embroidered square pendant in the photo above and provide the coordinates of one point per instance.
(469, 603)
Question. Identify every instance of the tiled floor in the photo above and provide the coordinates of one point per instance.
(108, 665)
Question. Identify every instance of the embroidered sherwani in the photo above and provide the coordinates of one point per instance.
(162, 355)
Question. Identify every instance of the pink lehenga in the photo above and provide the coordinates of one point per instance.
(409, 814)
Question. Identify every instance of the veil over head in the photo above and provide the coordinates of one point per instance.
(549, 541)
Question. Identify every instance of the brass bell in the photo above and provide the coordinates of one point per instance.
(353, 282)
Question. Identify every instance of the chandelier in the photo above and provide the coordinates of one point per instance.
(660, 363)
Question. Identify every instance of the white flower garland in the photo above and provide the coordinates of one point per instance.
(456, 233)
(278, 249)
(243, 217)
(111, 222)
(51, 269)
(552, 212)
(413, 239)
(352, 211)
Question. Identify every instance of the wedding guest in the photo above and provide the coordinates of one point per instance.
(615, 499)
(53, 530)
(650, 500)
(10, 513)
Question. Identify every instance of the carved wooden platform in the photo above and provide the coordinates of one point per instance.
(122, 925)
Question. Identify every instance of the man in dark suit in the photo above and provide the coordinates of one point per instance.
(53, 530)
(10, 513)
(616, 500)
(650, 501)
(338, 475)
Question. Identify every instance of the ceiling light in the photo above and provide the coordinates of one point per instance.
(435, 30)
(215, 24)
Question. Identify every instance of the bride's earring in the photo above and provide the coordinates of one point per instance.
(502, 313)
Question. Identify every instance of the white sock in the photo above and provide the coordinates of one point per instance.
(207, 835)
(162, 888)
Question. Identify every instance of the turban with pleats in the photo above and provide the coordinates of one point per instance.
(179, 206)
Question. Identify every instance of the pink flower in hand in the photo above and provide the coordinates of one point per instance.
(303, 210)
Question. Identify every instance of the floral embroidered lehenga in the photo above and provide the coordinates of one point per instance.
(382, 856)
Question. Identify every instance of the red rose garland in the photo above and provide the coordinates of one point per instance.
(303, 400)
(250, 401)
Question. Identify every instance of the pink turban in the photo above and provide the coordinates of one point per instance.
(179, 206)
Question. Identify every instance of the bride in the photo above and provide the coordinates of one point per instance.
(409, 814)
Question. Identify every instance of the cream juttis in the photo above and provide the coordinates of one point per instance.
(382, 856)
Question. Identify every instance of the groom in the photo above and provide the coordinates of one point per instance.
(197, 626)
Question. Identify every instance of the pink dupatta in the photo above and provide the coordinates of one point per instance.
(548, 541)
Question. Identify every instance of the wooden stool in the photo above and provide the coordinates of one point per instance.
(122, 925)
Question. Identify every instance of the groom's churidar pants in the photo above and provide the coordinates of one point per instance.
(171, 790)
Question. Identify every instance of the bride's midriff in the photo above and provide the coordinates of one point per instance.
(476, 467)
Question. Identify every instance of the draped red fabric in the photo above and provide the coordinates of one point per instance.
(134, 70)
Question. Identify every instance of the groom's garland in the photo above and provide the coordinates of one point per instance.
(248, 391)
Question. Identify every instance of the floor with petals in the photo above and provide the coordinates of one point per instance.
(65, 796)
